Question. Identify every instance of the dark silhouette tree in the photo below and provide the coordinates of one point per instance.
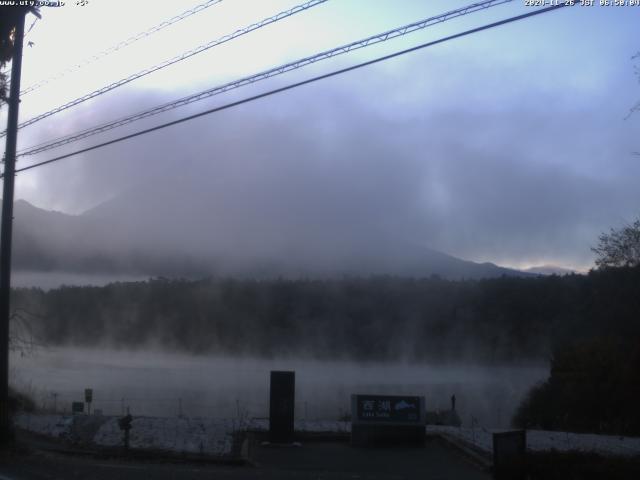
(620, 247)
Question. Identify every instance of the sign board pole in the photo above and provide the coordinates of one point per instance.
(88, 398)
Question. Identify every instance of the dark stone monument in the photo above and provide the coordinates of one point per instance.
(509, 455)
(387, 420)
(281, 406)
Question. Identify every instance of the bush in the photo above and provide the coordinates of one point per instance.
(20, 402)
(594, 386)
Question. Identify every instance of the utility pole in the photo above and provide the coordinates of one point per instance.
(7, 226)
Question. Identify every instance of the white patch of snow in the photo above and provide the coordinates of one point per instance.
(50, 425)
(207, 436)
(310, 426)
(211, 436)
(190, 435)
(542, 440)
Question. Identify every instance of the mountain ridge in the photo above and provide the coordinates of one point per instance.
(102, 240)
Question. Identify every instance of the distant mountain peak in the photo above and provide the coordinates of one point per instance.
(550, 270)
(126, 237)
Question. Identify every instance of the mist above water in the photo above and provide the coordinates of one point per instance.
(51, 280)
(167, 384)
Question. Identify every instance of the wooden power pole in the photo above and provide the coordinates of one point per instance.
(7, 227)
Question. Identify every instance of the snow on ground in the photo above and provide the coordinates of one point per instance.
(207, 436)
(307, 426)
(541, 440)
(191, 435)
(215, 437)
(50, 425)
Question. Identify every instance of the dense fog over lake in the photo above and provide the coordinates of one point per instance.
(155, 383)
(420, 198)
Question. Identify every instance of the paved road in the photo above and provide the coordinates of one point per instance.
(317, 460)
(339, 460)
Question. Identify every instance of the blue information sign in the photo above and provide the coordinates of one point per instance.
(388, 408)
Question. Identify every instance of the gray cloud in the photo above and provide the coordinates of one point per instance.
(510, 178)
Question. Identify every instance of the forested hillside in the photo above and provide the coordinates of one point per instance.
(493, 320)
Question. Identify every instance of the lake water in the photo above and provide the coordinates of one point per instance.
(167, 384)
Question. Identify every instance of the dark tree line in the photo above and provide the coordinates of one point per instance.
(381, 318)
(594, 386)
(587, 326)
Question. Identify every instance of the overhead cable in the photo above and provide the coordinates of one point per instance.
(297, 84)
(243, 31)
(121, 45)
(272, 72)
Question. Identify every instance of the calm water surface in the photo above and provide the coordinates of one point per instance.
(165, 384)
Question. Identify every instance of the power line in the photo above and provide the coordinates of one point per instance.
(381, 37)
(121, 45)
(298, 84)
(243, 31)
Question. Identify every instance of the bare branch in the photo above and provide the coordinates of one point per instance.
(21, 335)
(619, 247)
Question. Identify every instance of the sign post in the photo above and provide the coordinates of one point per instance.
(88, 398)
(387, 419)
(125, 425)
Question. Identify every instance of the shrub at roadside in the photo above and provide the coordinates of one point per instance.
(594, 386)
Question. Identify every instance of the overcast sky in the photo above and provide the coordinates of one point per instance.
(509, 146)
